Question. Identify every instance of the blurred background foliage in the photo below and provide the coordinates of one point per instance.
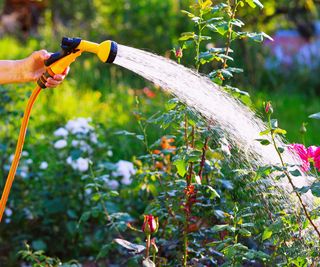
(107, 93)
(155, 26)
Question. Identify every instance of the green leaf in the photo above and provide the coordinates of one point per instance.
(189, 14)
(265, 132)
(264, 142)
(135, 248)
(254, 3)
(267, 233)
(295, 173)
(245, 232)
(315, 116)
(95, 197)
(315, 189)
(213, 192)
(279, 131)
(181, 167)
(186, 36)
(274, 123)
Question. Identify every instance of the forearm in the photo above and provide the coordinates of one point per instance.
(12, 71)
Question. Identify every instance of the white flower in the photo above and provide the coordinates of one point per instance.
(109, 153)
(124, 169)
(93, 138)
(75, 143)
(29, 161)
(43, 165)
(60, 144)
(69, 160)
(61, 132)
(25, 153)
(7, 220)
(82, 164)
(8, 212)
(11, 158)
(112, 184)
(79, 125)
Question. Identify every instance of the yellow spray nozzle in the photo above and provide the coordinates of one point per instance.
(71, 49)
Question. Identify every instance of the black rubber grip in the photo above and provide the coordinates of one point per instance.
(113, 52)
(43, 79)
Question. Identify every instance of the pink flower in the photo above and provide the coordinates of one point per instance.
(311, 151)
(307, 155)
(316, 158)
(303, 154)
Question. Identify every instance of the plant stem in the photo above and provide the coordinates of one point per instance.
(148, 241)
(230, 28)
(203, 157)
(185, 243)
(293, 186)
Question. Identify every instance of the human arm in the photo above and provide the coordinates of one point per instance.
(28, 69)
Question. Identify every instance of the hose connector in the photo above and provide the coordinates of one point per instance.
(71, 48)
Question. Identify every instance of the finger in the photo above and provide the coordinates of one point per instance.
(59, 77)
(52, 82)
(66, 71)
(41, 54)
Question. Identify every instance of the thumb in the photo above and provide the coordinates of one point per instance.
(41, 54)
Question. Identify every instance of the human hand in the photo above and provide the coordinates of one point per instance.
(33, 68)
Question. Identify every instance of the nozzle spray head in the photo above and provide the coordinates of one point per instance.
(107, 51)
(71, 49)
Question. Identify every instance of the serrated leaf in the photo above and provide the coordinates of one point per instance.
(135, 248)
(181, 167)
(186, 36)
(315, 116)
(267, 233)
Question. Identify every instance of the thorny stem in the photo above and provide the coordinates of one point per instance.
(230, 28)
(185, 241)
(186, 130)
(203, 157)
(293, 186)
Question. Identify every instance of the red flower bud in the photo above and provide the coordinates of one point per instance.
(150, 224)
(268, 108)
(179, 53)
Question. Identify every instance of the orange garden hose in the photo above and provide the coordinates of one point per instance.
(17, 154)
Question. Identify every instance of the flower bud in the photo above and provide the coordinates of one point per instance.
(303, 128)
(179, 53)
(268, 108)
(150, 224)
(154, 247)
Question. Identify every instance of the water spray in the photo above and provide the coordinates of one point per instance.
(71, 48)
